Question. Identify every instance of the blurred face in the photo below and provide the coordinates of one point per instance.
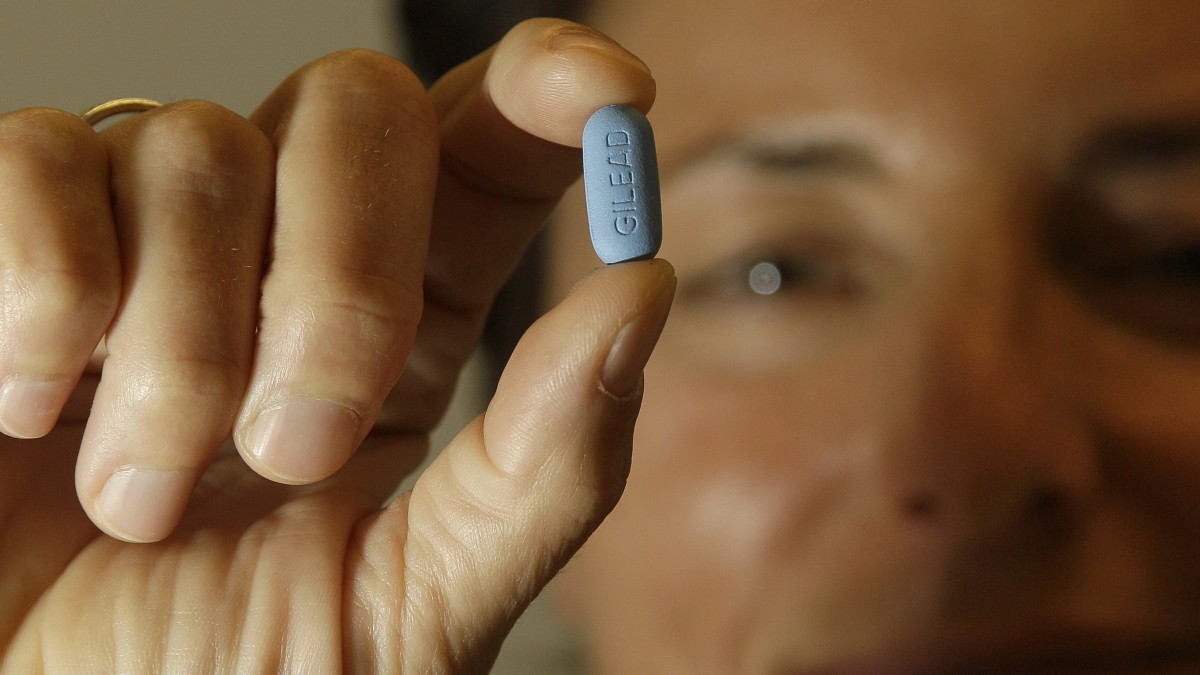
(929, 397)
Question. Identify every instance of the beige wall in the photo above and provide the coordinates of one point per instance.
(72, 54)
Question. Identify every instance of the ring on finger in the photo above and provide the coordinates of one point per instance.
(117, 106)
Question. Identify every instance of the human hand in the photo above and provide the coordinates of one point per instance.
(272, 292)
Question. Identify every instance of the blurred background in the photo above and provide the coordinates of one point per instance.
(72, 54)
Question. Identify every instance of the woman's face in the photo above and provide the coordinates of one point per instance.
(930, 392)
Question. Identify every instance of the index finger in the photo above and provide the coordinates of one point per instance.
(511, 122)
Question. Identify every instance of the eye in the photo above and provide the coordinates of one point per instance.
(784, 300)
(798, 274)
(778, 275)
(1136, 276)
(1129, 241)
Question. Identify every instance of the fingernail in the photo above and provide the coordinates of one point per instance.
(304, 441)
(143, 505)
(631, 349)
(29, 408)
(580, 37)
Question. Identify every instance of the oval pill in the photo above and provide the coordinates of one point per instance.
(620, 181)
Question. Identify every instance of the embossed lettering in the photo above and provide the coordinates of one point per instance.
(620, 178)
(626, 224)
(618, 137)
(620, 158)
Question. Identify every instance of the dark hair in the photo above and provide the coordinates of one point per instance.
(440, 34)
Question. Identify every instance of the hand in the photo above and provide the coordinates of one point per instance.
(295, 283)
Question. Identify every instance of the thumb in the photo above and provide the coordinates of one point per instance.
(439, 577)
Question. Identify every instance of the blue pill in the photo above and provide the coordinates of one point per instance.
(620, 181)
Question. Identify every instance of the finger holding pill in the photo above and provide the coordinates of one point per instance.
(620, 178)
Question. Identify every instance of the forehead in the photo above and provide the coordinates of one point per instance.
(1021, 71)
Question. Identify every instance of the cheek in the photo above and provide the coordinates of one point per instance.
(728, 472)
(714, 462)
(727, 458)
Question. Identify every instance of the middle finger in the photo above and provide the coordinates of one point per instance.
(341, 300)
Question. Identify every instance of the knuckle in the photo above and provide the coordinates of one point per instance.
(375, 305)
(540, 30)
(202, 150)
(169, 369)
(61, 293)
(347, 307)
(363, 71)
(387, 94)
(48, 142)
(57, 267)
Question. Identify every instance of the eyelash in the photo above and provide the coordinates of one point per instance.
(1177, 266)
(1126, 252)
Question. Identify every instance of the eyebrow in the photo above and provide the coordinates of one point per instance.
(795, 157)
(1151, 146)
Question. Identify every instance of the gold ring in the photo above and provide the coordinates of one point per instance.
(117, 107)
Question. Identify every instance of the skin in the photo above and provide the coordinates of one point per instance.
(959, 437)
(269, 290)
(962, 435)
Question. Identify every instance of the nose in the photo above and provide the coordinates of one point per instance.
(992, 446)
